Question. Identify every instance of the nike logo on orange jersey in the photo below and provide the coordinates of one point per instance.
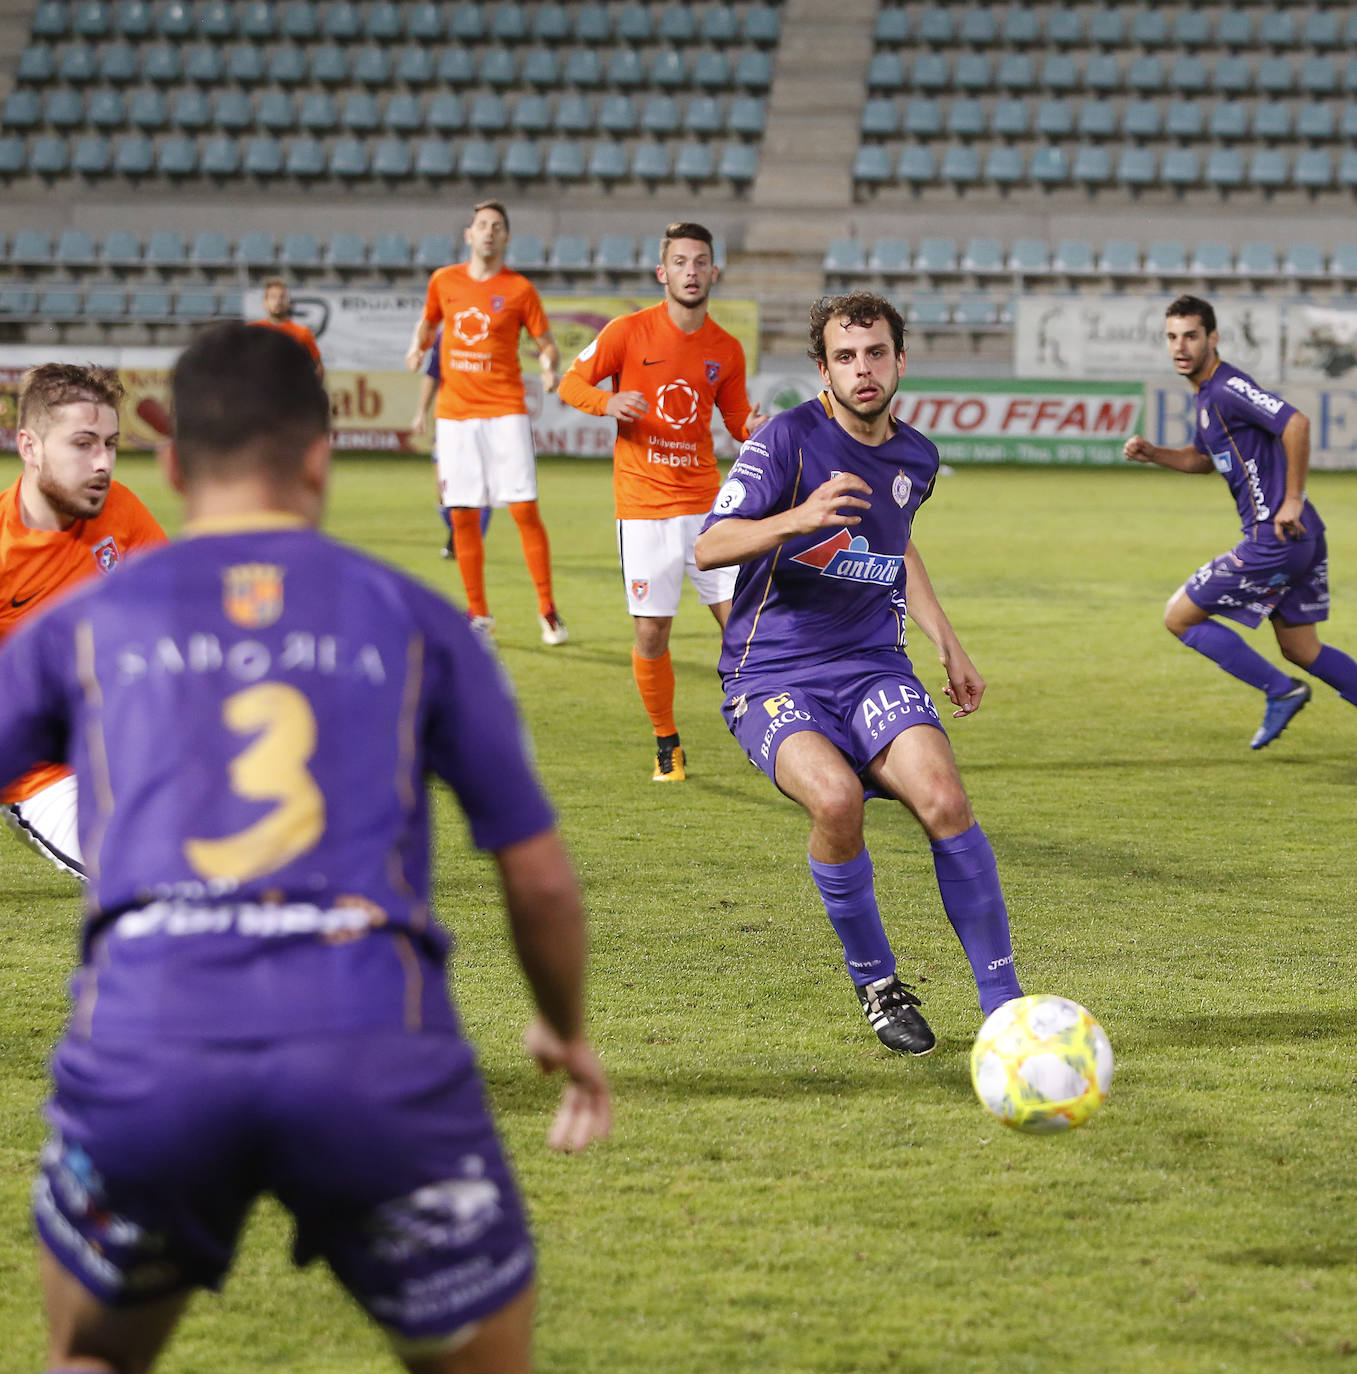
(16, 601)
(650, 362)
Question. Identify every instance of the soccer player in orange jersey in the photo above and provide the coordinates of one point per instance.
(278, 315)
(64, 520)
(482, 434)
(669, 365)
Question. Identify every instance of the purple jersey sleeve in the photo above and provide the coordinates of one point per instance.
(1241, 402)
(757, 484)
(33, 705)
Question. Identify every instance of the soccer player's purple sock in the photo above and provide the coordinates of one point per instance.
(968, 879)
(485, 519)
(849, 896)
(1338, 670)
(446, 513)
(1228, 651)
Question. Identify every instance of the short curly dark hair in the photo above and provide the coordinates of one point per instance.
(45, 389)
(861, 308)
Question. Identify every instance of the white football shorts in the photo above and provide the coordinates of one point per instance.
(655, 554)
(47, 820)
(487, 462)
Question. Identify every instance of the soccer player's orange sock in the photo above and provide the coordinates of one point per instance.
(470, 547)
(536, 551)
(655, 681)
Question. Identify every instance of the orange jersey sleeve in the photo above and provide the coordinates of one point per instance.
(481, 322)
(663, 463)
(37, 566)
(296, 331)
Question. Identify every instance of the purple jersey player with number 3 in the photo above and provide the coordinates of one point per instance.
(1280, 568)
(819, 690)
(251, 714)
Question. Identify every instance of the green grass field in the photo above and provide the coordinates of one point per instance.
(780, 1194)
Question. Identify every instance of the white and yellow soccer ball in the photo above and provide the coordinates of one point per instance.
(1041, 1064)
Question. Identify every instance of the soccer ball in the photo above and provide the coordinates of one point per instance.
(1041, 1064)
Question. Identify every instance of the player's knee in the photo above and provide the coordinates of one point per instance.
(837, 808)
(946, 812)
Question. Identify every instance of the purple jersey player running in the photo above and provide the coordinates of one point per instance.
(1280, 569)
(820, 692)
(251, 714)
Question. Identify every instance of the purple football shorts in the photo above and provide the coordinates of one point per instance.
(379, 1143)
(859, 704)
(1255, 581)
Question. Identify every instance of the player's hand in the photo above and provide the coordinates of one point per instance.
(418, 421)
(626, 405)
(414, 358)
(965, 686)
(754, 419)
(586, 1112)
(1138, 449)
(1288, 523)
(549, 379)
(832, 503)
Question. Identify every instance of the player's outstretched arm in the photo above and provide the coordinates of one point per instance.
(965, 686)
(830, 506)
(1138, 449)
(1296, 445)
(546, 920)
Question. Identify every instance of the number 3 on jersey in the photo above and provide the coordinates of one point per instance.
(273, 768)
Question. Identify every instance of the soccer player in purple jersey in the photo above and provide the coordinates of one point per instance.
(251, 713)
(1280, 568)
(819, 690)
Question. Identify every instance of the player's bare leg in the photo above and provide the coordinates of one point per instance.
(1299, 643)
(501, 1344)
(918, 767)
(721, 610)
(813, 771)
(86, 1334)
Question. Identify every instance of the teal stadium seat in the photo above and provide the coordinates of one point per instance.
(38, 65)
(1107, 28)
(746, 116)
(465, 23)
(880, 118)
(1021, 28)
(1212, 258)
(75, 249)
(210, 249)
(1050, 166)
(1277, 29)
(978, 25)
(1224, 169)
(166, 250)
(203, 64)
(92, 155)
(60, 304)
(1064, 28)
(885, 72)
(245, 65)
(1275, 76)
(328, 64)
(1234, 29)
(1303, 260)
(348, 159)
(923, 117)
(17, 302)
(1059, 72)
(1055, 118)
(263, 157)
(1073, 257)
(660, 115)
(360, 112)
(762, 25)
(1119, 258)
(340, 21)
(254, 250)
(150, 305)
(78, 65)
(390, 252)
(230, 110)
(1097, 119)
(1188, 75)
(531, 115)
(489, 113)
(194, 305)
(1272, 121)
(551, 23)
(31, 248)
(615, 253)
(392, 159)
(917, 165)
(1149, 28)
(1004, 166)
(583, 68)
(1321, 29)
(22, 110)
(522, 159)
(1029, 256)
(650, 162)
(973, 311)
(633, 23)
(1184, 120)
(133, 18)
(1229, 121)
(668, 68)
(928, 311)
(526, 252)
(720, 25)
(982, 255)
(565, 160)
(370, 66)
(177, 156)
(972, 72)
(299, 21)
(1343, 260)
(1166, 257)
(711, 71)
(753, 71)
(434, 251)
(616, 115)
(1141, 119)
(446, 113)
(105, 304)
(1015, 72)
(418, 67)
(625, 69)
(121, 250)
(1191, 28)
(300, 252)
(541, 67)
(1232, 76)
(1313, 169)
(383, 23)
(191, 109)
(677, 24)
(936, 256)
(317, 113)
(1315, 121)
(1257, 260)
(434, 159)
(304, 158)
(1102, 72)
(1009, 118)
(844, 257)
(607, 162)
(965, 118)
(509, 22)
(890, 257)
(930, 71)
(64, 109)
(935, 25)
(703, 116)
(960, 166)
(175, 20)
(1318, 75)
(1181, 168)
(51, 19)
(1136, 168)
(593, 25)
(570, 253)
(1092, 166)
(478, 159)
(257, 22)
(277, 113)
(48, 156)
(574, 114)
(1269, 168)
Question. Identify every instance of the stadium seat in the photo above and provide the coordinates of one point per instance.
(79, 64)
(521, 159)
(1107, 28)
(288, 65)
(1234, 29)
(1118, 258)
(175, 20)
(1102, 72)
(371, 66)
(1097, 119)
(194, 304)
(1029, 256)
(930, 72)
(844, 256)
(1149, 28)
(972, 72)
(317, 113)
(150, 305)
(1318, 75)
(1212, 258)
(191, 108)
(121, 249)
(593, 24)
(961, 166)
(1257, 260)
(74, 249)
(660, 115)
(202, 64)
(210, 249)
(17, 302)
(1232, 76)
(22, 110)
(753, 71)
(978, 25)
(982, 255)
(434, 159)
(1303, 260)
(1272, 121)
(1188, 75)
(263, 156)
(917, 166)
(526, 252)
(1180, 168)
(304, 158)
(434, 251)
(91, 156)
(478, 159)
(392, 161)
(762, 24)
(1313, 169)
(1229, 121)
(1136, 168)
(64, 108)
(446, 113)
(383, 23)
(711, 71)
(132, 18)
(1269, 168)
(328, 65)
(1073, 257)
(720, 25)
(1184, 120)
(31, 248)
(541, 67)
(60, 304)
(1275, 76)
(1059, 72)
(349, 159)
(890, 257)
(746, 116)
(738, 164)
(927, 310)
(417, 67)
(625, 69)
(38, 65)
(607, 161)
(1009, 118)
(885, 72)
(1224, 168)
(1015, 72)
(254, 249)
(1343, 260)
(346, 252)
(48, 156)
(1021, 27)
(300, 252)
(936, 256)
(1144, 74)
(1055, 118)
(1141, 119)
(360, 112)
(177, 156)
(650, 162)
(615, 253)
(872, 162)
(922, 116)
(299, 21)
(340, 21)
(570, 253)
(133, 155)
(1050, 166)
(532, 114)
(51, 19)
(13, 155)
(668, 68)
(1321, 29)
(509, 22)
(1166, 258)
(276, 112)
(616, 115)
(583, 68)
(1004, 166)
(1315, 121)
(1092, 166)
(105, 304)
(148, 110)
(975, 310)
(703, 116)
(935, 25)
(1191, 28)
(231, 110)
(245, 65)
(166, 250)
(965, 118)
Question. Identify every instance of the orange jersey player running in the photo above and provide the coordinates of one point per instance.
(482, 434)
(64, 520)
(278, 315)
(669, 365)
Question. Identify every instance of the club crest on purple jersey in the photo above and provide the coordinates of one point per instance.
(901, 488)
(848, 557)
(106, 554)
(252, 594)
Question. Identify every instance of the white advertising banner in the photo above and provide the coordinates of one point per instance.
(1321, 342)
(1121, 338)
